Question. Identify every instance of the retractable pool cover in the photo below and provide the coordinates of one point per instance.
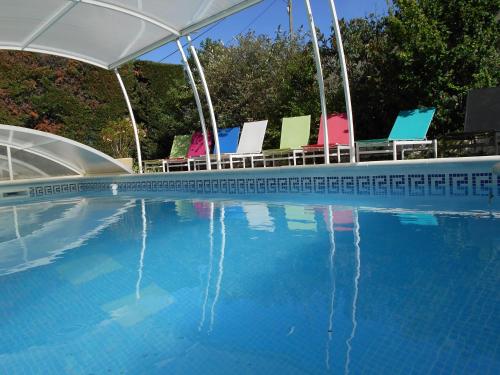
(27, 153)
(105, 33)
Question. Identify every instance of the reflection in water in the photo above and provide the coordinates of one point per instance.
(300, 218)
(332, 280)
(356, 290)
(53, 228)
(143, 249)
(418, 218)
(18, 234)
(128, 311)
(287, 295)
(221, 267)
(220, 272)
(258, 216)
(210, 264)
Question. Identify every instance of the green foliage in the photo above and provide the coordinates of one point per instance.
(117, 138)
(260, 78)
(440, 50)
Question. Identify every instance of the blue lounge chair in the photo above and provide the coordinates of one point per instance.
(228, 143)
(409, 130)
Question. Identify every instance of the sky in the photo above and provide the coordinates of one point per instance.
(267, 16)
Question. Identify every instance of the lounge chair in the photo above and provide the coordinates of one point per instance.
(409, 130)
(228, 143)
(295, 133)
(481, 135)
(195, 147)
(250, 145)
(338, 139)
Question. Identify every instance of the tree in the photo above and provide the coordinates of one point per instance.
(439, 51)
(118, 138)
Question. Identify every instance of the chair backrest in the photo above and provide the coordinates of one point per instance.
(180, 146)
(197, 146)
(412, 125)
(295, 131)
(228, 139)
(338, 130)
(252, 137)
(483, 110)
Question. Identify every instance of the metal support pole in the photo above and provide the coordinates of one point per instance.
(321, 83)
(290, 18)
(132, 118)
(209, 100)
(198, 103)
(345, 79)
(9, 161)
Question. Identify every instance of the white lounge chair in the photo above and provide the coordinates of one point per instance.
(250, 145)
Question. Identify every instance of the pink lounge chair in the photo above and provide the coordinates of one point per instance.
(196, 148)
(342, 220)
(338, 138)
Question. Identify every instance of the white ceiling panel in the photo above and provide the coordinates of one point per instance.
(106, 33)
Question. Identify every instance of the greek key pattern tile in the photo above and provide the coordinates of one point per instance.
(47, 190)
(397, 185)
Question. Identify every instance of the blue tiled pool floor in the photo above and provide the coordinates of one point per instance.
(125, 285)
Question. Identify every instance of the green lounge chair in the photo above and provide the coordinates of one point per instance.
(409, 130)
(178, 152)
(294, 134)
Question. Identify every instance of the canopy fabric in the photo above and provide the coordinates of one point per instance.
(105, 33)
(35, 154)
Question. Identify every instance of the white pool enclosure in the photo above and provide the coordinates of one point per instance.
(27, 153)
(109, 33)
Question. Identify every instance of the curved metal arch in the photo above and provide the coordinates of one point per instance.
(192, 82)
(132, 118)
(97, 63)
(321, 83)
(209, 101)
(345, 81)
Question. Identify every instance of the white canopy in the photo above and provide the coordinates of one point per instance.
(105, 33)
(27, 153)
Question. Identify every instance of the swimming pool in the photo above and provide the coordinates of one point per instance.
(152, 283)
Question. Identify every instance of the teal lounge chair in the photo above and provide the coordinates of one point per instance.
(409, 131)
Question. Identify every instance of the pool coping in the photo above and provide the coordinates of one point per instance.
(338, 166)
(427, 181)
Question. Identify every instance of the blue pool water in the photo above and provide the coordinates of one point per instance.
(123, 285)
